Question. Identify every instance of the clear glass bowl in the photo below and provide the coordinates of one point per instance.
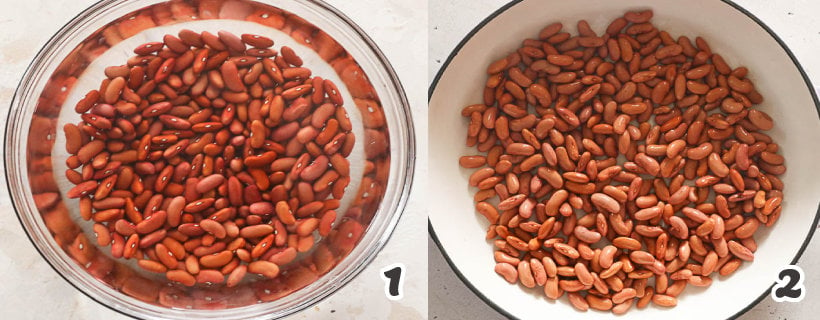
(72, 63)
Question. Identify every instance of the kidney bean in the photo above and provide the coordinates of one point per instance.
(567, 157)
(203, 170)
(214, 228)
(236, 276)
(181, 276)
(216, 260)
(606, 202)
(152, 266)
(664, 300)
(265, 268)
(738, 250)
(507, 271)
(192, 264)
(210, 277)
(256, 231)
(152, 222)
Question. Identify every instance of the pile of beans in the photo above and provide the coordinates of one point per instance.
(206, 159)
(627, 165)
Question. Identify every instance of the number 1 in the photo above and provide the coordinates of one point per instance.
(393, 276)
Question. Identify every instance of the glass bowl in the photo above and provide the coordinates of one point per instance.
(72, 63)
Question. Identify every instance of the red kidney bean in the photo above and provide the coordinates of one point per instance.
(157, 169)
(265, 268)
(640, 132)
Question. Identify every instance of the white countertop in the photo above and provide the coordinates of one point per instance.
(449, 21)
(32, 290)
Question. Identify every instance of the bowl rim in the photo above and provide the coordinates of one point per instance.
(403, 190)
(467, 37)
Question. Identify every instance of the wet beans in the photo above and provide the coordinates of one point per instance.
(200, 156)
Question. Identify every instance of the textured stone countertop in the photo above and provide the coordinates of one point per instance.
(32, 290)
(449, 21)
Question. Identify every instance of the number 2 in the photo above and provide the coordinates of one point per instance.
(789, 285)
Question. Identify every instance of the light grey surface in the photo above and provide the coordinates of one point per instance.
(32, 290)
(449, 21)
